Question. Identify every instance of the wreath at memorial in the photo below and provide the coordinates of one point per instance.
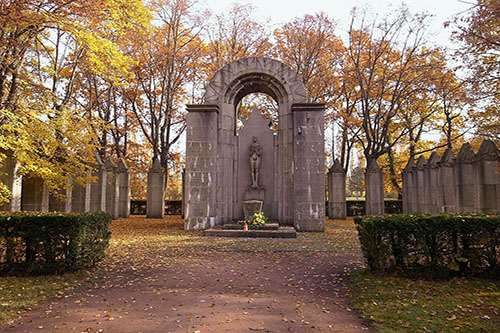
(258, 218)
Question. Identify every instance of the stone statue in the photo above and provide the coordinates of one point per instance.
(255, 158)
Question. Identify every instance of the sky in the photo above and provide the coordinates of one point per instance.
(281, 11)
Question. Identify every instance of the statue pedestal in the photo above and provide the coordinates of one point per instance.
(250, 207)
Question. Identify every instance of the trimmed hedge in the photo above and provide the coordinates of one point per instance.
(52, 243)
(437, 245)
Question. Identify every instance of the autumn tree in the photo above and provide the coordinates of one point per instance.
(478, 29)
(385, 60)
(167, 60)
(234, 35)
(43, 44)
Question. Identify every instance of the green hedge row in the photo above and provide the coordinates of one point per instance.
(52, 243)
(440, 245)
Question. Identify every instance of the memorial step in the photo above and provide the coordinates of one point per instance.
(281, 232)
(267, 226)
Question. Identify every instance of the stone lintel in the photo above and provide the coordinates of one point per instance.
(202, 108)
(319, 107)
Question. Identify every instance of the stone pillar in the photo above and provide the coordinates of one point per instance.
(98, 188)
(201, 167)
(374, 182)
(466, 187)
(420, 185)
(432, 184)
(35, 195)
(336, 192)
(156, 191)
(80, 198)
(408, 187)
(308, 167)
(183, 187)
(13, 181)
(447, 196)
(112, 189)
(487, 169)
(123, 177)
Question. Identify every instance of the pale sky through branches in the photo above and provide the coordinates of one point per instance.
(281, 11)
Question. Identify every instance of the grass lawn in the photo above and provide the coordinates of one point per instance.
(394, 304)
(18, 294)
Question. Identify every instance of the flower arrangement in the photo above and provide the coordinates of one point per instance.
(258, 218)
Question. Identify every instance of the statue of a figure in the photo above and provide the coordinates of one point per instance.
(255, 153)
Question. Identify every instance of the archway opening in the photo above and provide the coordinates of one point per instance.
(262, 103)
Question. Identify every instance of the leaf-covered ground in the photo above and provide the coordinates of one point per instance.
(407, 305)
(160, 278)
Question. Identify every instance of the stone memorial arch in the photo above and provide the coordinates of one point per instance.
(220, 173)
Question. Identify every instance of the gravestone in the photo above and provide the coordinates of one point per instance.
(98, 188)
(123, 177)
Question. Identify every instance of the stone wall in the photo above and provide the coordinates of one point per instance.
(109, 192)
(466, 183)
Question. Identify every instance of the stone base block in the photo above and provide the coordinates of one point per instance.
(250, 207)
(282, 232)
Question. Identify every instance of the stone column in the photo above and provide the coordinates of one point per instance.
(98, 188)
(432, 184)
(336, 192)
(183, 187)
(123, 176)
(112, 189)
(487, 169)
(420, 185)
(408, 187)
(374, 182)
(466, 187)
(13, 181)
(80, 198)
(308, 167)
(447, 195)
(35, 195)
(156, 191)
(201, 167)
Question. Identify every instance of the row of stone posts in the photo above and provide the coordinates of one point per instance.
(110, 192)
(466, 183)
(337, 195)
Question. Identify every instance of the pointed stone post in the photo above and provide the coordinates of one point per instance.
(336, 192)
(421, 192)
(80, 198)
(98, 189)
(374, 189)
(466, 187)
(487, 169)
(447, 183)
(408, 187)
(432, 184)
(123, 176)
(13, 181)
(112, 189)
(156, 191)
(35, 195)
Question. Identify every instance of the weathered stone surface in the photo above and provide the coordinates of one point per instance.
(35, 195)
(283, 232)
(98, 188)
(374, 189)
(292, 164)
(337, 206)
(466, 184)
(123, 177)
(13, 181)
(156, 191)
